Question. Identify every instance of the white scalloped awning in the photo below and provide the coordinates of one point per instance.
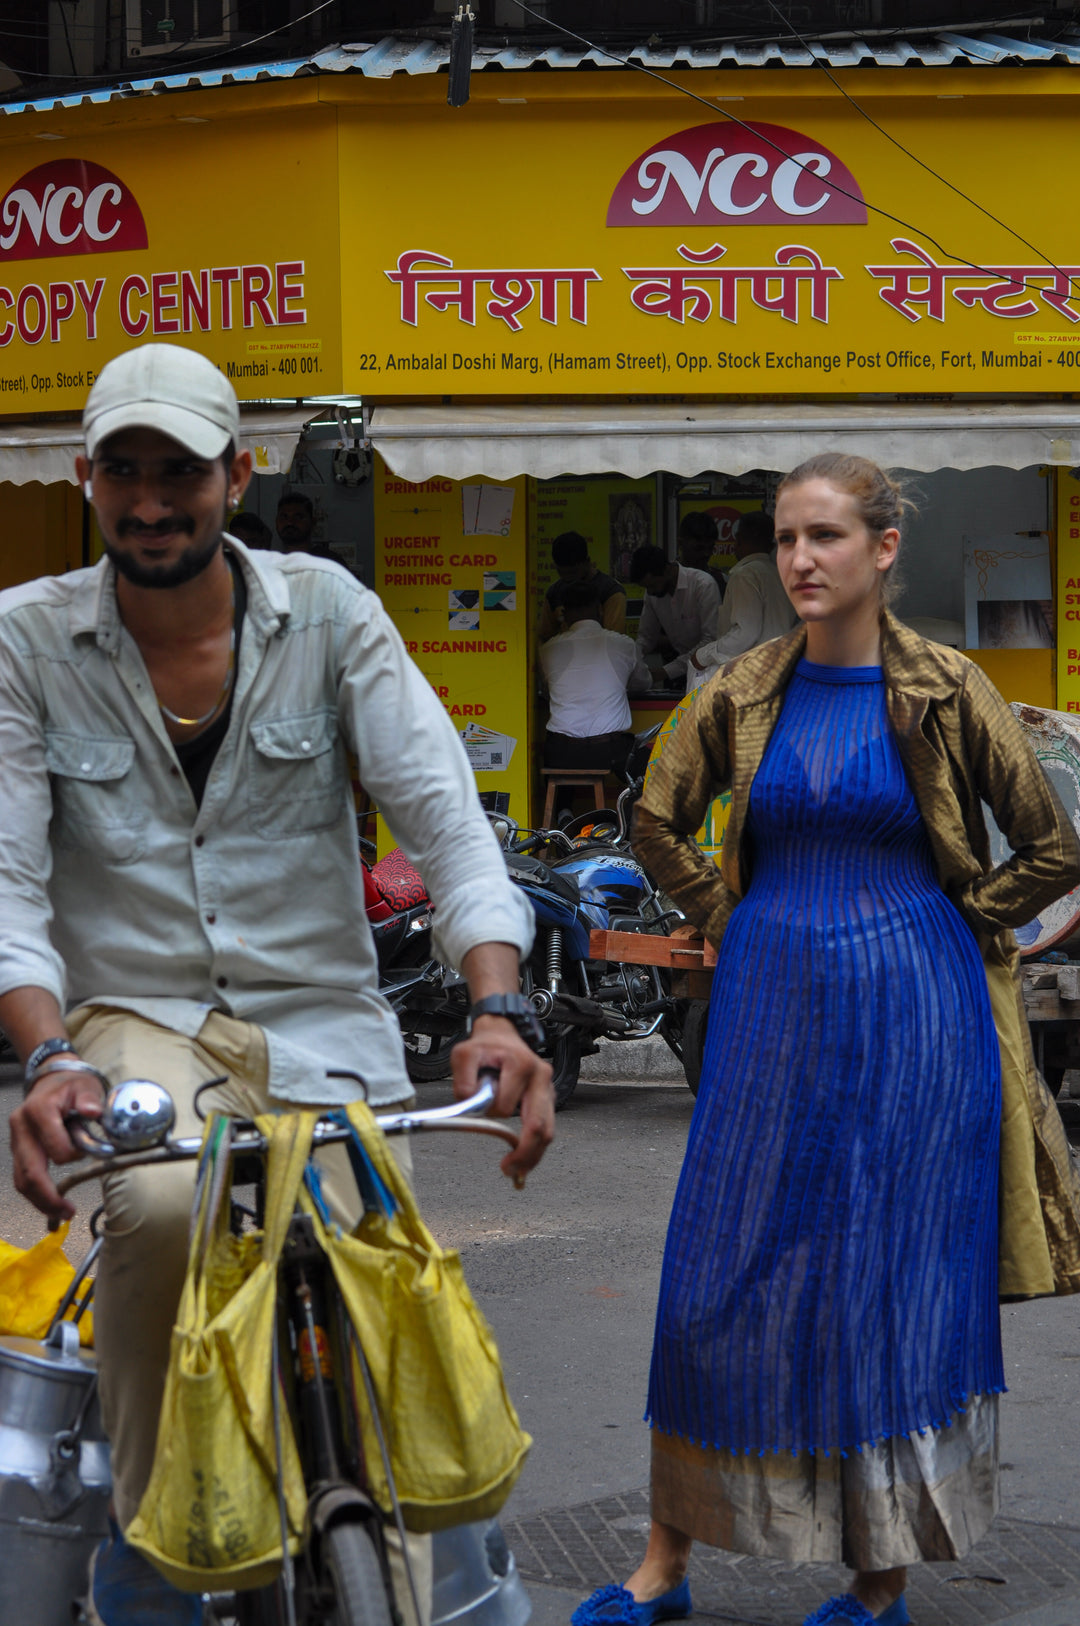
(46, 451)
(422, 442)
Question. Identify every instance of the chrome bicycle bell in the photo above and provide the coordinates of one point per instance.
(137, 1114)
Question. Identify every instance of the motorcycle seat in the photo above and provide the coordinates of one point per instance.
(398, 883)
(522, 867)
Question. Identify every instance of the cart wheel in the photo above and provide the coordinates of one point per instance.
(695, 1025)
(564, 1053)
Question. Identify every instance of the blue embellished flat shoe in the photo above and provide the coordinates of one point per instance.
(615, 1606)
(845, 1607)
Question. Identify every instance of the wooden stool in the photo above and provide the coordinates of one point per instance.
(577, 778)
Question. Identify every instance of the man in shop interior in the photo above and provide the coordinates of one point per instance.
(570, 555)
(252, 531)
(180, 889)
(698, 538)
(295, 523)
(679, 613)
(755, 607)
(588, 670)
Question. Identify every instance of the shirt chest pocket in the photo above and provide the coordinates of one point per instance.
(296, 777)
(95, 809)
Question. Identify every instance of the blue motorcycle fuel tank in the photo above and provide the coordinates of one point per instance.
(613, 883)
(581, 891)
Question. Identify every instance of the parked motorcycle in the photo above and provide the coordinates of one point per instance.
(431, 1000)
(589, 879)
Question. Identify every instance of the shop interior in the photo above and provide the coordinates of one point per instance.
(976, 570)
(973, 537)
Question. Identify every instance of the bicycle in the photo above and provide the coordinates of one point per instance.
(342, 1575)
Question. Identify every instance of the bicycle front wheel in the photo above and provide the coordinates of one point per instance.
(351, 1567)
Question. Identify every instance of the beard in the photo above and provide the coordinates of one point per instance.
(191, 563)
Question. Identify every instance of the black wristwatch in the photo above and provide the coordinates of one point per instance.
(517, 1009)
(42, 1052)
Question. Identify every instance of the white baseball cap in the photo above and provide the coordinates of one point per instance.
(168, 388)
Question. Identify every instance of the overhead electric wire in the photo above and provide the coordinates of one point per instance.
(929, 168)
(714, 109)
(968, 265)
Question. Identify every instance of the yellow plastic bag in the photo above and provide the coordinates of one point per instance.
(32, 1283)
(209, 1519)
(453, 1437)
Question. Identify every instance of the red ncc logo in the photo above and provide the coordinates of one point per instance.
(737, 175)
(69, 206)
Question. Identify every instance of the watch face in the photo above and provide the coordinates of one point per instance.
(516, 1008)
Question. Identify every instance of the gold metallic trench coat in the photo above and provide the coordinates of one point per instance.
(959, 743)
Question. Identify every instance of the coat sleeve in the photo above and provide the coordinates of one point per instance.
(692, 769)
(1045, 861)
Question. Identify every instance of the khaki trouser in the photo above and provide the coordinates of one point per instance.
(147, 1213)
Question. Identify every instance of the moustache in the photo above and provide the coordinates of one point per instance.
(164, 527)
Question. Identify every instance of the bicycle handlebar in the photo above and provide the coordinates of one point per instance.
(459, 1115)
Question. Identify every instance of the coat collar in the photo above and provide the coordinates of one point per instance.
(910, 664)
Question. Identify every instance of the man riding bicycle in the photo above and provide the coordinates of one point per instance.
(180, 887)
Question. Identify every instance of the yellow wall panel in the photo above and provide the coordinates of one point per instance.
(1026, 675)
(40, 531)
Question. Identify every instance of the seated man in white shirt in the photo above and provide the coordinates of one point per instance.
(588, 670)
(755, 607)
(680, 610)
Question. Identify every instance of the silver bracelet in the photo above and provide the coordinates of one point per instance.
(66, 1064)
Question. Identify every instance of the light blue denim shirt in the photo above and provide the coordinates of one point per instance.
(115, 888)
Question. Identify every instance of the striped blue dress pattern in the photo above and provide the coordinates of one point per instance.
(830, 1272)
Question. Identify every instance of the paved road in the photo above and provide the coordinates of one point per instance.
(566, 1272)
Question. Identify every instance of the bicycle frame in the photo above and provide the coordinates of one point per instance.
(316, 1333)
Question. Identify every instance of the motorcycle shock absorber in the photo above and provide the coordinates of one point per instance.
(554, 958)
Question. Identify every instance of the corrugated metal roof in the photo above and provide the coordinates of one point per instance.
(394, 54)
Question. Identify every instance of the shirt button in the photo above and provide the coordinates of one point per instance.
(175, 771)
(210, 919)
(84, 767)
(223, 982)
(305, 745)
(199, 840)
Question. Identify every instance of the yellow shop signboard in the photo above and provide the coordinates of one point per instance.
(450, 568)
(635, 244)
(338, 234)
(1068, 591)
(125, 240)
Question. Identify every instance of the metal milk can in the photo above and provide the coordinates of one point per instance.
(54, 1475)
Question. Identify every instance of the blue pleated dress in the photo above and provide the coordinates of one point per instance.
(829, 1286)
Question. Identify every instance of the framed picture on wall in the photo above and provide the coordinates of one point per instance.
(630, 526)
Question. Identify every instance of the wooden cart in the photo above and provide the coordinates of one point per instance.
(1051, 1002)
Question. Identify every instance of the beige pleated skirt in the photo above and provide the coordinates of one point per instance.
(929, 1496)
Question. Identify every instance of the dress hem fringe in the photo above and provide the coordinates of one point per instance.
(827, 1451)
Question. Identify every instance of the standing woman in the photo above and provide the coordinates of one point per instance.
(827, 1357)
